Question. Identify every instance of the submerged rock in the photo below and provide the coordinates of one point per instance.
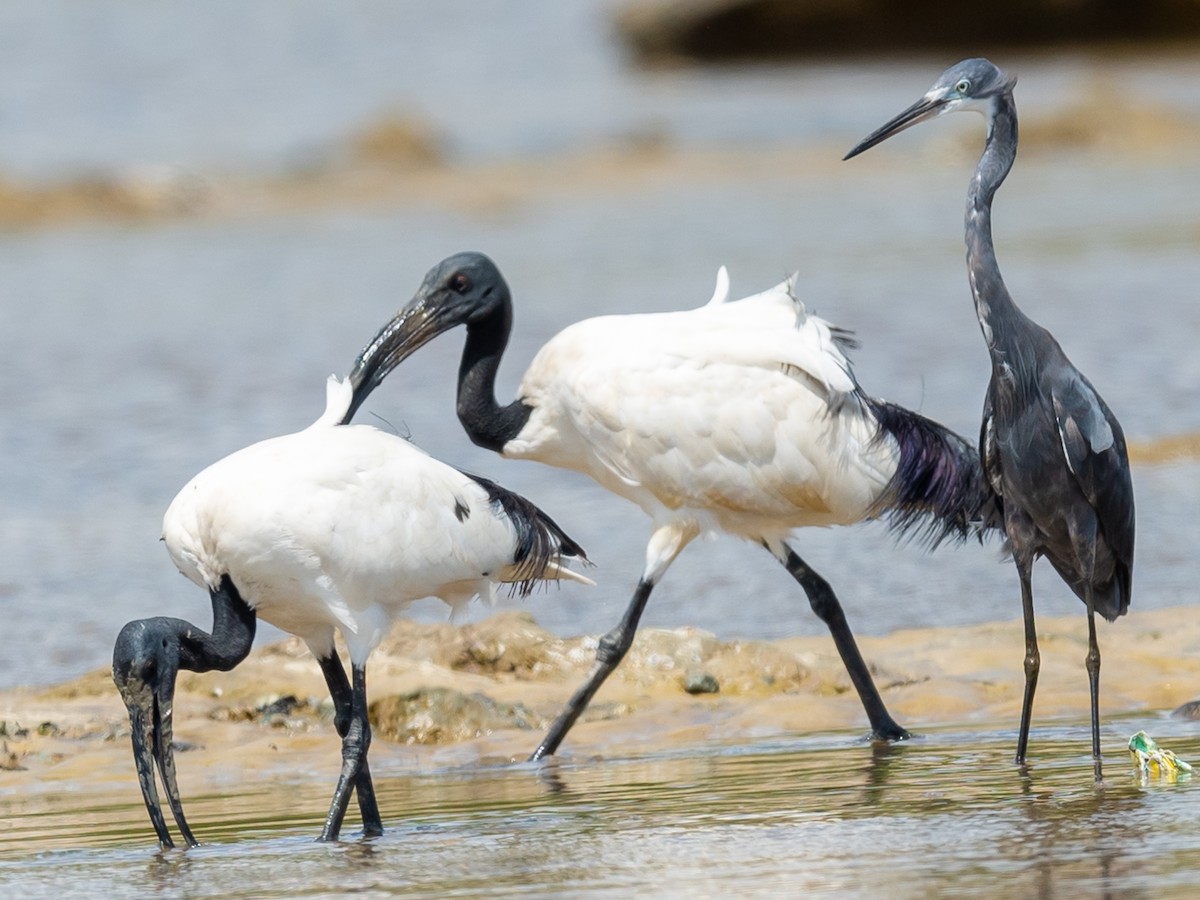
(278, 706)
(697, 682)
(278, 711)
(12, 729)
(510, 642)
(444, 715)
(1188, 711)
(10, 760)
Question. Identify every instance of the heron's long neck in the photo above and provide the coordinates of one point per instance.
(487, 423)
(999, 317)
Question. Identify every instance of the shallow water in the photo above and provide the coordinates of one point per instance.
(946, 813)
(134, 355)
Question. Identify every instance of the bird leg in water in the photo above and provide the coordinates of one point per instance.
(1093, 670)
(1084, 539)
(612, 649)
(339, 690)
(825, 604)
(355, 743)
(147, 658)
(1033, 659)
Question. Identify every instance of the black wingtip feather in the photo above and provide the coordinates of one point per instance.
(938, 491)
(540, 540)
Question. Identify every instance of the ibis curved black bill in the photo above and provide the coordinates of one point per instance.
(460, 290)
(412, 328)
(925, 108)
(144, 671)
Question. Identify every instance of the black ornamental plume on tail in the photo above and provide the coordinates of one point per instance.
(541, 543)
(938, 491)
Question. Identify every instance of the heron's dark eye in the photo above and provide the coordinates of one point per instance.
(963, 86)
(460, 283)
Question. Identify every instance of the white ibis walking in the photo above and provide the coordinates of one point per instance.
(335, 527)
(739, 417)
(1052, 449)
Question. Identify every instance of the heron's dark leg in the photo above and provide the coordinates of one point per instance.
(339, 690)
(1083, 536)
(1093, 670)
(612, 649)
(1033, 659)
(355, 744)
(825, 604)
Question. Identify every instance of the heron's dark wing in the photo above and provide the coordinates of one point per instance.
(989, 454)
(1094, 448)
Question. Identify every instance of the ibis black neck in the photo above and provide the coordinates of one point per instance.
(234, 624)
(487, 423)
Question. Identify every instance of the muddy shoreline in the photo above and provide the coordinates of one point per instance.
(446, 695)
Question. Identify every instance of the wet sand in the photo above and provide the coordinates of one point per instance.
(446, 695)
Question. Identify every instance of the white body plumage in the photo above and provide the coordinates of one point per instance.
(342, 527)
(741, 417)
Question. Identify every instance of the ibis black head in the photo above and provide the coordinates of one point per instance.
(464, 289)
(146, 661)
(970, 84)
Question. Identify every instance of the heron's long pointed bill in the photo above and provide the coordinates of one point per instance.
(411, 328)
(925, 108)
(150, 714)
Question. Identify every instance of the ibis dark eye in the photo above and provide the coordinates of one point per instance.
(460, 283)
(963, 86)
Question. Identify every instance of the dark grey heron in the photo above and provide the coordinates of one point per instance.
(333, 528)
(1051, 448)
(741, 418)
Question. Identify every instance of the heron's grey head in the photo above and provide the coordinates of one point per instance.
(972, 84)
(462, 289)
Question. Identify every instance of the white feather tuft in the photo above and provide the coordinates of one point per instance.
(338, 395)
(721, 291)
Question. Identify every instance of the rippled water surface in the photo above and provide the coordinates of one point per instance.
(945, 813)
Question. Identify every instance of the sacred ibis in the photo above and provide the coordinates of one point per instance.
(333, 528)
(739, 417)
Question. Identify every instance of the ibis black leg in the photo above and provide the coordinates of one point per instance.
(612, 649)
(1033, 660)
(339, 690)
(355, 744)
(825, 604)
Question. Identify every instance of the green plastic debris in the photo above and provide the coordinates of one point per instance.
(1153, 761)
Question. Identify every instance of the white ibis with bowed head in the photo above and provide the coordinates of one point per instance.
(333, 528)
(737, 417)
(1052, 449)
